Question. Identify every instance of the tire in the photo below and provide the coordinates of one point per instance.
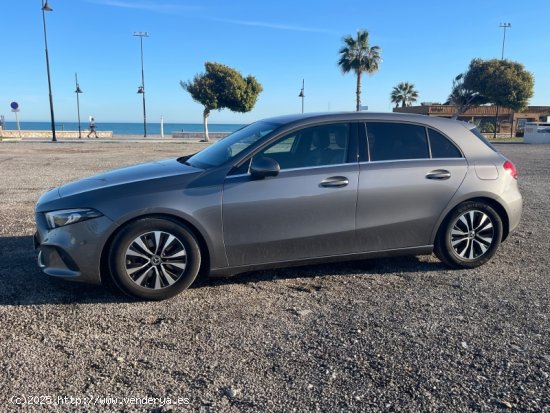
(469, 236)
(154, 259)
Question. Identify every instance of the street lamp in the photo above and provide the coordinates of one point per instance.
(302, 95)
(141, 89)
(504, 26)
(46, 7)
(78, 91)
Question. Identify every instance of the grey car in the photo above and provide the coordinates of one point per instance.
(285, 191)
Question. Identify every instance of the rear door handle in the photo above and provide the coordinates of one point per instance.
(334, 182)
(439, 175)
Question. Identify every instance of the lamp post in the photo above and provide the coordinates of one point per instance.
(141, 89)
(46, 7)
(302, 95)
(504, 26)
(78, 91)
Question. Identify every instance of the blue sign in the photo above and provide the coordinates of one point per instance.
(14, 105)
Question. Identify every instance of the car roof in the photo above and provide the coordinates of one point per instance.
(458, 131)
(308, 118)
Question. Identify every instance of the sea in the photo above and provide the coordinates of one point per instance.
(128, 128)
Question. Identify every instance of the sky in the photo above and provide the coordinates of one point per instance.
(424, 42)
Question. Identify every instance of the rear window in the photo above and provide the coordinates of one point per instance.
(482, 138)
(394, 141)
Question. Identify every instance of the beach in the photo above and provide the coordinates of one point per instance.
(73, 136)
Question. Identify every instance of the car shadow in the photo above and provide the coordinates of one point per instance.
(23, 284)
(404, 266)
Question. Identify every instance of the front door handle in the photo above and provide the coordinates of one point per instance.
(334, 182)
(439, 175)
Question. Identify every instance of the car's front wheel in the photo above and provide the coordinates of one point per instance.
(469, 236)
(154, 259)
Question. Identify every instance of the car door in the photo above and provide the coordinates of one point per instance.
(306, 211)
(404, 184)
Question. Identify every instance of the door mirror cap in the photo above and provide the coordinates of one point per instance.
(262, 166)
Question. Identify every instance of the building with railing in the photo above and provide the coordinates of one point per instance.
(509, 121)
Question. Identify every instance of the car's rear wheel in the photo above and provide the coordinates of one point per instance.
(154, 259)
(469, 236)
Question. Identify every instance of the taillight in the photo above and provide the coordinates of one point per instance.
(510, 167)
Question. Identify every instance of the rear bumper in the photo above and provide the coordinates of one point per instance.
(512, 201)
(515, 209)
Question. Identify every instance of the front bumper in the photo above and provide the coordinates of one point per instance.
(72, 251)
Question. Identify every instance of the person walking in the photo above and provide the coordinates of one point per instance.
(93, 130)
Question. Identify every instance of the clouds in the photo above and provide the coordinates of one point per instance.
(268, 25)
(146, 6)
(278, 26)
(175, 8)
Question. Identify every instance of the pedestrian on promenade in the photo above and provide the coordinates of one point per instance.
(92, 127)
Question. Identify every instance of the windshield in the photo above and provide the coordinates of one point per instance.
(230, 146)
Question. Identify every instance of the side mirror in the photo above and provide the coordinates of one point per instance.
(261, 167)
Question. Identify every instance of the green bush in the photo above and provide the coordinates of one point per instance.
(487, 127)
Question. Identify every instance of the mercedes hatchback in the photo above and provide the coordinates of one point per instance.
(285, 191)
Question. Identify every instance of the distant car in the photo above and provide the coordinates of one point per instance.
(285, 191)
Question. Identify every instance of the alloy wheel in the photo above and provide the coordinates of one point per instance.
(472, 234)
(155, 260)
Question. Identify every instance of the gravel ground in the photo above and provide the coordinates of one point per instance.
(402, 335)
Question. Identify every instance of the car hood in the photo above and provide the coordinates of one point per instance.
(136, 173)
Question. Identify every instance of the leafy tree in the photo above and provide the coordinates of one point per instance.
(222, 87)
(359, 57)
(502, 82)
(463, 98)
(404, 93)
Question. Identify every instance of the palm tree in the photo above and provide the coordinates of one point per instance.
(404, 93)
(357, 56)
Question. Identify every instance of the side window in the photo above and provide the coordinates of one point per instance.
(393, 141)
(313, 146)
(282, 146)
(441, 146)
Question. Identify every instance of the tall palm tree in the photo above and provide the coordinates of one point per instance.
(404, 93)
(357, 56)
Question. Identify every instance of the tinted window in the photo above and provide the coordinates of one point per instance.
(391, 141)
(441, 146)
(314, 146)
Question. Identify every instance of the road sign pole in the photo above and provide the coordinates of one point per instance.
(15, 109)
(17, 121)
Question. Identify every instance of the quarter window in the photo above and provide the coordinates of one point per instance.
(441, 146)
(394, 141)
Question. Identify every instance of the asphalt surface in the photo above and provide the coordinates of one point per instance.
(400, 335)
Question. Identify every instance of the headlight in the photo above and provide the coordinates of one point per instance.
(63, 217)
